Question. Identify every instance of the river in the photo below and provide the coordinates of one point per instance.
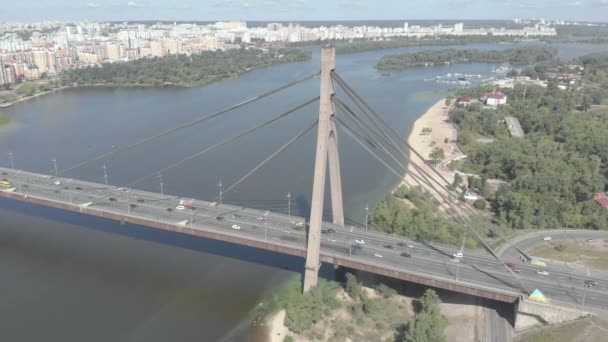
(68, 277)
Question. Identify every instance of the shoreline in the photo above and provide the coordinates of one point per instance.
(436, 119)
(210, 81)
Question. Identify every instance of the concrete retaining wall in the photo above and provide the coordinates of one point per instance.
(531, 312)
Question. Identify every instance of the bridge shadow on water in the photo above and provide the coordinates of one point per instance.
(195, 243)
(245, 253)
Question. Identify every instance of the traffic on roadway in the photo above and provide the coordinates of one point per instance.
(373, 248)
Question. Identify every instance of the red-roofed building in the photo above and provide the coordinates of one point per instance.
(495, 98)
(601, 199)
(464, 101)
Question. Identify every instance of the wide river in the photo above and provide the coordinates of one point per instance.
(73, 278)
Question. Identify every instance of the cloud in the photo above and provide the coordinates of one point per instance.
(270, 3)
(135, 4)
(575, 3)
(247, 5)
(92, 5)
(601, 3)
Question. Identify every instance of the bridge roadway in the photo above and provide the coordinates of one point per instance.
(478, 274)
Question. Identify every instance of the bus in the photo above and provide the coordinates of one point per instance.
(5, 184)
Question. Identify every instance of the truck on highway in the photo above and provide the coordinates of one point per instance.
(185, 202)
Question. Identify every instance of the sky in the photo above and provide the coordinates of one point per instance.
(300, 10)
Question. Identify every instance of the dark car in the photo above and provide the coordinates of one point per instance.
(388, 246)
(406, 255)
(112, 199)
(4, 174)
(220, 218)
(169, 209)
(140, 200)
(331, 231)
(78, 188)
(133, 205)
(401, 244)
(591, 283)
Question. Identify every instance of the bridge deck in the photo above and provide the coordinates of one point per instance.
(429, 264)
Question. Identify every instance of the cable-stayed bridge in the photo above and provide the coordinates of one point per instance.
(316, 240)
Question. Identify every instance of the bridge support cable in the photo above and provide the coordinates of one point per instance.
(460, 219)
(272, 156)
(226, 141)
(189, 124)
(375, 116)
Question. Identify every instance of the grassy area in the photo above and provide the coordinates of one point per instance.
(4, 120)
(567, 332)
(592, 254)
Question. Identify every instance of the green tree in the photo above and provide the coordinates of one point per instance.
(479, 204)
(437, 155)
(353, 288)
(457, 180)
(429, 324)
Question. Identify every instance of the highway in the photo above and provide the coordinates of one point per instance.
(380, 250)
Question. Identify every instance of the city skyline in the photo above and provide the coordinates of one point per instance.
(300, 10)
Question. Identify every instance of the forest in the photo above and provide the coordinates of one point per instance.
(553, 173)
(182, 70)
(528, 55)
(362, 45)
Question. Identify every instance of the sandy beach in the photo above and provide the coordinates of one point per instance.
(437, 129)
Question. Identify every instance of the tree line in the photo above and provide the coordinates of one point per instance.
(554, 172)
(528, 55)
(181, 70)
(362, 45)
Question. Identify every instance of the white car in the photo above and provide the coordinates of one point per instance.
(332, 240)
(180, 207)
(361, 242)
(57, 183)
(236, 226)
(378, 255)
(458, 255)
(547, 238)
(542, 272)
(410, 246)
(454, 260)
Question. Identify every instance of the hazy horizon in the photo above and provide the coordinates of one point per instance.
(302, 10)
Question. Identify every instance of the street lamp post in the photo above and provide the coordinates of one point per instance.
(221, 193)
(12, 159)
(105, 173)
(162, 190)
(366, 216)
(289, 205)
(54, 160)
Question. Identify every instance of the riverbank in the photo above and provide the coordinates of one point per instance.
(431, 130)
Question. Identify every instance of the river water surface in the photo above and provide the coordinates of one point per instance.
(71, 278)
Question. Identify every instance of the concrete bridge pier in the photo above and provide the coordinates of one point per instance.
(327, 149)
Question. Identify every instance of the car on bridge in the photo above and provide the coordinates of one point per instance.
(5, 183)
(360, 242)
(547, 238)
(236, 226)
(542, 272)
(591, 283)
(180, 207)
(389, 246)
(378, 255)
(328, 231)
(406, 255)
